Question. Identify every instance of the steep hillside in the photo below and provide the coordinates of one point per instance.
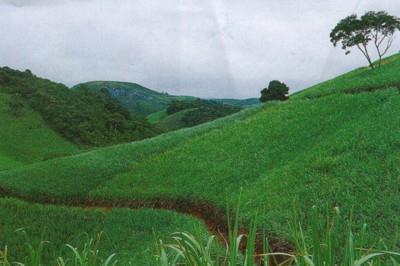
(78, 115)
(25, 137)
(140, 101)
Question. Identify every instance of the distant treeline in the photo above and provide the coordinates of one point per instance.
(81, 116)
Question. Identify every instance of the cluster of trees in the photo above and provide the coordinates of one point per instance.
(201, 111)
(16, 105)
(276, 91)
(81, 116)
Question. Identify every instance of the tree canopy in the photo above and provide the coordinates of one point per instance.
(378, 27)
(276, 90)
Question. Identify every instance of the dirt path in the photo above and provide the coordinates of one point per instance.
(215, 219)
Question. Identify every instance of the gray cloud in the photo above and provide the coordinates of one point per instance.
(221, 48)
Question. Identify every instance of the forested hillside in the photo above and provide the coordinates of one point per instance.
(139, 101)
(25, 137)
(80, 116)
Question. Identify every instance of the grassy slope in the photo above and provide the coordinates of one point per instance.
(328, 151)
(339, 150)
(156, 117)
(27, 139)
(361, 79)
(140, 101)
(75, 176)
(173, 121)
(130, 234)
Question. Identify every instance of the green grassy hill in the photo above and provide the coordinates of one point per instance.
(183, 114)
(73, 177)
(133, 235)
(359, 80)
(156, 117)
(331, 151)
(173, 121)
(140, 101)
(25, 137)
(335, 144)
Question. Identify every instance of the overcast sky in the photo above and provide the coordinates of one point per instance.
(207, 48)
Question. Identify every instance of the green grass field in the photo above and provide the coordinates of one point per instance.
(27, 139)
(335, 144)
(131, 235)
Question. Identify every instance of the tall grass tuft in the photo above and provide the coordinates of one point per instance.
(4, 260)
(188, 250)
(35, 250)
(88, 255)
(323, 248)
(191, 251)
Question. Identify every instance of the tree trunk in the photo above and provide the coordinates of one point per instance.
(366, 54)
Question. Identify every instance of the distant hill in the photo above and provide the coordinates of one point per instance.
(174, 121)
(239, 102)
(143, 102)
(139, 100)
(181, 114)
(80, 116)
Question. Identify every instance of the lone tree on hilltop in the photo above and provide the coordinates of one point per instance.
(276, 91)
(378, 27)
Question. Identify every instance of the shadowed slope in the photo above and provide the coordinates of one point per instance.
(25, 138)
